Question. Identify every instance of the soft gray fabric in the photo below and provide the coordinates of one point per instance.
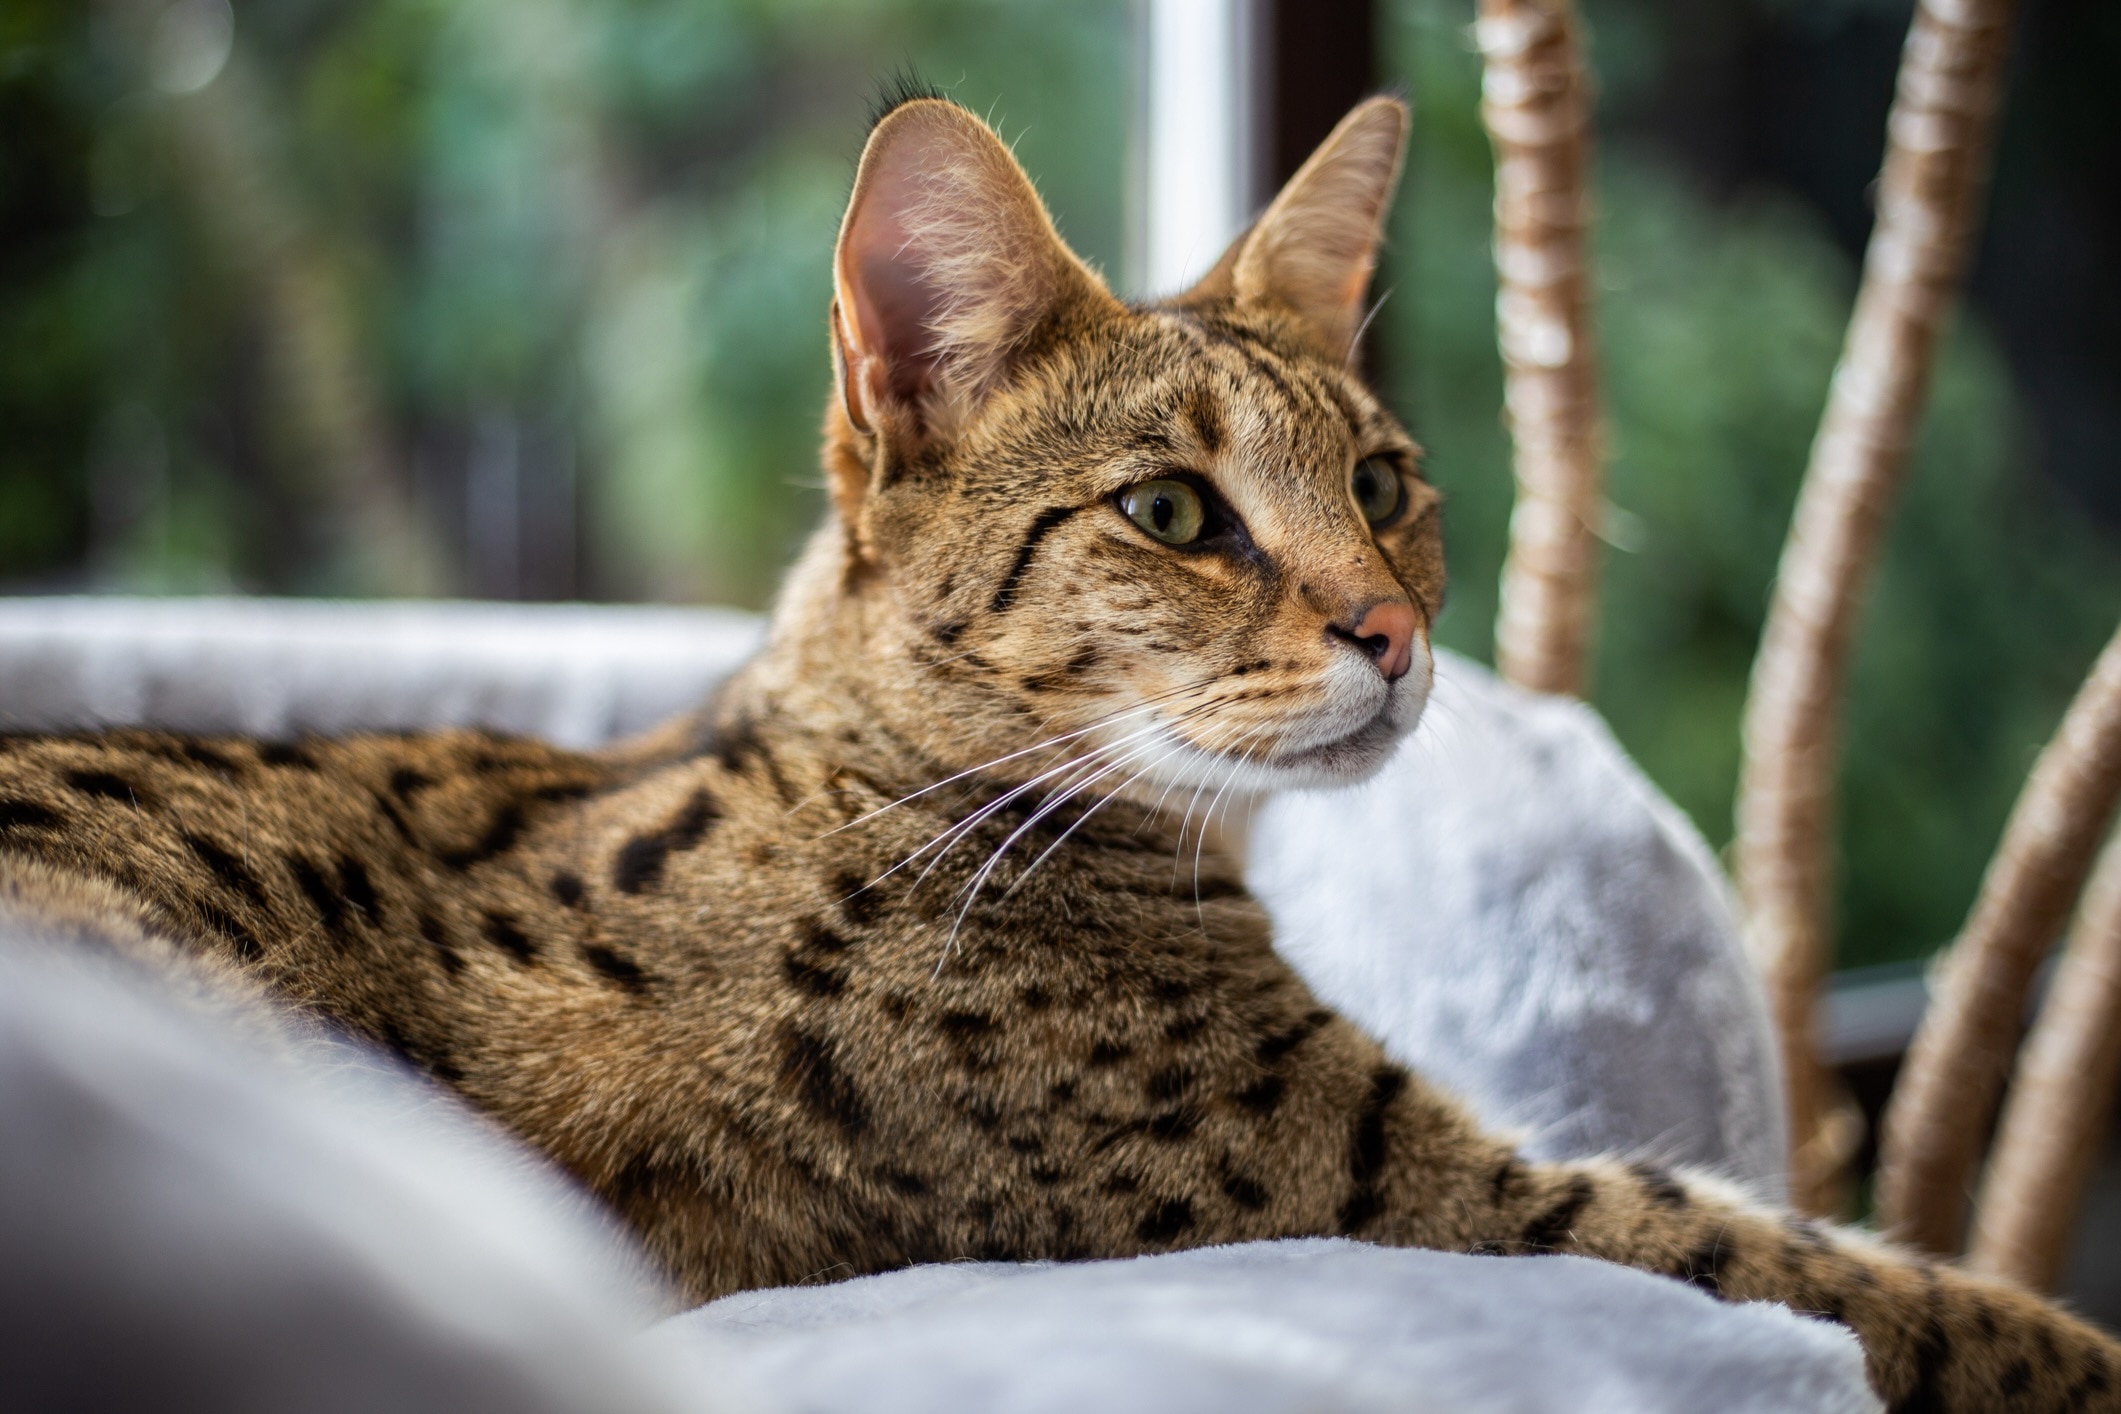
(1517, 913)
(192, 1223)
(576, 674)
(1304, 1327)
(1510, 907)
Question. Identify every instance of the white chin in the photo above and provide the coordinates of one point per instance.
(1332, 752)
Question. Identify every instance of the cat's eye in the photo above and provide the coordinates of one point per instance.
(1171, 511)
(1377, 489)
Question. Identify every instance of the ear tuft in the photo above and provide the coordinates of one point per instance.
(1314, 248)
(947, 263)
(904, 86)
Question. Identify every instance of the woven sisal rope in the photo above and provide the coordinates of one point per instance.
(1535, 102)
(1936, 164)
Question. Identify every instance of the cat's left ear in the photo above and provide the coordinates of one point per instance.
(947, 267)
(1313, 250)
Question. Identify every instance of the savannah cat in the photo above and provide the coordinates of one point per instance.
(883, 957)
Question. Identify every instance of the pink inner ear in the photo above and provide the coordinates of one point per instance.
(895, 303)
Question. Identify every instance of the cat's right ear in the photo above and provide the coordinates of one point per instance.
(947, 265)
(1311, 252)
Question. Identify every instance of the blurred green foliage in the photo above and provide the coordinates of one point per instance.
(586, 242)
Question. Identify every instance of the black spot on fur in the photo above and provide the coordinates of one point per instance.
(567, 888)
(1246, 1193)
(1046, 1175)
(964, 1025)
(1273, 1047)
(245, 942)
(641, 1184)
(1035, 998)
(1121, 1183)
(200, 754)
(810, 978)
(287, 753)
(1659, 1188)
(860, 902)
(27, 815)
(405, 782)
(1060, 1092)
(1551, 1228)
(389, 810)
(229, 871)
(1106, 1053)
(357, 888)
(1174, 1125)
(1027, 1143)
(2017, 1378)
(322, 896)
(1207, 422)
(1263, 1096)
(1703, 1266)
(616, 967)
(503, 933)
(639, 865)
(981, 1110)
(1170, 1082)
(1507, 1179)
(808, 1063)
(1165, 1221)
(1185, 1029)
(501, 833)
(108, 785)
(1041, 525)
(445, 951)
(910, 1184)
(1367, 1150)
(1926, 1396)
(817, 935)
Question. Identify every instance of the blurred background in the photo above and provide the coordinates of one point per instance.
(524, 299)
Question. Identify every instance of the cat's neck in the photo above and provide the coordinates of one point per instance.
(843, 669)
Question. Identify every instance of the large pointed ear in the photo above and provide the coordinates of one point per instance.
(947, 264)
(1312, 250)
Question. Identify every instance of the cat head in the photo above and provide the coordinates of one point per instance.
(1184, 533)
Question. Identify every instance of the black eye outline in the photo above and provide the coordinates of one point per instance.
(1391, 467)
(1220, 529)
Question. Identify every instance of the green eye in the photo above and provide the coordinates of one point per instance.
(1169, 510)
(1377, 489)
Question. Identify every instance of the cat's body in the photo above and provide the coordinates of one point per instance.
(782, 987)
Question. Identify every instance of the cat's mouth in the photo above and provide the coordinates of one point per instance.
(1337, 744)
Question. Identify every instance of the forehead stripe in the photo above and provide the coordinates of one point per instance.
(1045, 521)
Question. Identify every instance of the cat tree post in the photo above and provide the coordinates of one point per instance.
(1936, 165)
(2061, 1098)
(1940, 1109)
(1536, 105)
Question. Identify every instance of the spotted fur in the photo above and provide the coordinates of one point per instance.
(910, 946)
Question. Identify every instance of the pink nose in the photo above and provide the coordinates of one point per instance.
(1385, 631)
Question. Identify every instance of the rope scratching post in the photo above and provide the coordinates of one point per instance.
(2061, 1099)
(1535, 103)
(1936, 164)
(1939, 1114)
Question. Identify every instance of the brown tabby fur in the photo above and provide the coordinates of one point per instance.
(701, 972)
